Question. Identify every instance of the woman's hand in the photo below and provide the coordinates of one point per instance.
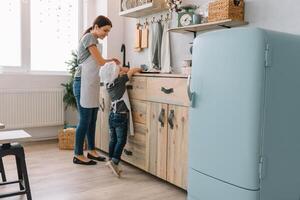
(116, 61)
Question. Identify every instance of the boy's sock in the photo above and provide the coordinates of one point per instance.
(114, 168)
(116, 161)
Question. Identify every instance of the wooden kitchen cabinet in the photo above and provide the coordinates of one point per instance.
(160, 114)
(135, 151)
(102, 127)
(158, 139)
(168, 138)
(177, 152)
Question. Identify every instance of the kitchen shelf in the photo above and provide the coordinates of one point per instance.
(146, 9)
(208, 26)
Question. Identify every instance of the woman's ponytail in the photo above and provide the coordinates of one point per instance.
(99, 21)
(88, 30)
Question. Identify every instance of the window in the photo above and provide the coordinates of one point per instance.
(50, 31)
(10, 36)
(54, 33)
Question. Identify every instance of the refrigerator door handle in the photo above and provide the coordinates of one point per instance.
(189, 92)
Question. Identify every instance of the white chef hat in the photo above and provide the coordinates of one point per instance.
(109, 72)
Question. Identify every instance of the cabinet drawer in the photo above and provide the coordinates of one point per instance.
(135, 149)
(139, 111)
(168, 90)
(137, 88)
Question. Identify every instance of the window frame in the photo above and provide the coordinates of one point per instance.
(25, 44)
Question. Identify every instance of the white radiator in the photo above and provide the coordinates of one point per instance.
(28, 108)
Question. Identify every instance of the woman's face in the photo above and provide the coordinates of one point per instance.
(102, 32)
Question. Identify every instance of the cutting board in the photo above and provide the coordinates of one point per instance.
(145, 35)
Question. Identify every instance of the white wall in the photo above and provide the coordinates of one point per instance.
(116, 35)
(36, 81)
(276, 15)
(111, 44)
(115, 38)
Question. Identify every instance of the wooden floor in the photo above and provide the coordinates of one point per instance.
(53, 177)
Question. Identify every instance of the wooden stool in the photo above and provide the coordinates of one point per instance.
(2, 171)
(15, 149)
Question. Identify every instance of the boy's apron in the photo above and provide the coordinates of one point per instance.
(124, 98)
(90, 84)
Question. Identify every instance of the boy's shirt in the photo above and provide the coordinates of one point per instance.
(116, 92)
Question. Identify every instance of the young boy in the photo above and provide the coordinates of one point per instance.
(120, 122)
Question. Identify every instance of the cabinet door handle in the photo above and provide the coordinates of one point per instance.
(170, 119)
(161, 117)
(102, 106)
(129, 87)
(167, 91)
(127, 152)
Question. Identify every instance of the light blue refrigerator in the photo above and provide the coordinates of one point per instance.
(244, 141)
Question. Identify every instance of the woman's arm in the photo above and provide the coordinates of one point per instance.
(98, 57)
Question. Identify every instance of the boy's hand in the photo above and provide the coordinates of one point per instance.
(133, 71)
(124, 69)
(136, 69)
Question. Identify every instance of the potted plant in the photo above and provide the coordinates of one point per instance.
(69, 98)
(66, 136)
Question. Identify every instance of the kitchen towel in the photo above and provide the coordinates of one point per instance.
(165, 49)
(151, 45)
(155, 45)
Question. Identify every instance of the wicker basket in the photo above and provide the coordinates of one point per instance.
(226, 9)
(66, 139)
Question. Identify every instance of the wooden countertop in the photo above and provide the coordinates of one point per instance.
(161, 75)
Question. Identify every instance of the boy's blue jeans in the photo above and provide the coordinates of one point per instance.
(87, 122)
(118, 123)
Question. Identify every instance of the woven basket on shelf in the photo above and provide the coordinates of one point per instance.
(226, 9)
(66, 139)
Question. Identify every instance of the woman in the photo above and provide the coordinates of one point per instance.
(86, 89)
